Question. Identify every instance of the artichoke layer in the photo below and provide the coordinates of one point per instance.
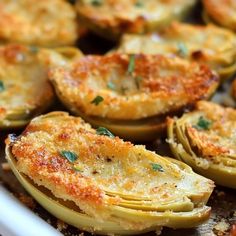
(105, 176)
(195, 43)
(205, 140)
(112, 18)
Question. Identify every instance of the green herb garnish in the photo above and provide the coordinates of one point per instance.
(77, 168)
(203, 124)
(97, 100)
(131, 65)
(104, 131)
(139, 4)
(182, 49)
(137, 80)
(111, 86)
(96, 3)
(70, 156)
(2, 87)
(157, 167)
(34, 49)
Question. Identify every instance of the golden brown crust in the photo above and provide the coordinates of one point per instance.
(25, 90)
(45, 23)
(218, 140)
(157, 85)
(113, 17)
(192, 42)
(222, 11)
(102, 172)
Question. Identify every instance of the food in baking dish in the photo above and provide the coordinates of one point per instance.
(111, 18)
(205, 140)
(209, 45)
(105, 176)
(45, 23)
(222, 12)
(24, 87)
(131, 92)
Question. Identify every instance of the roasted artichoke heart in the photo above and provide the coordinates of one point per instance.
(222, 12)
(195, 43)
(43, 23)
(112, 86)
(205, 140)
(131, 90)
(24, 87)
(109, 180)
(111, 18)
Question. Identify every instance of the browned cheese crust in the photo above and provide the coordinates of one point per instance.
(219, 139)
(46, 23)
(222, 12)
(155, 85)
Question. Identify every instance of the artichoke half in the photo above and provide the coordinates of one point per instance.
(25, 90)
(131, 94)
(24, 87)
(38, 23)
(99, 183)
(194, 43)
(110, 19)
(205, 140)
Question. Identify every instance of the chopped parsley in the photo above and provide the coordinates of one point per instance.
(182, 49)
(131, 65)
(70, 156)
(97, 100)
(2, 87)
(34, 49)
(139, 4)
(111, 85)
(203, 123)
(104, 131)
(157, 167)
(137, 80)
(77, 168)
(96, 3)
